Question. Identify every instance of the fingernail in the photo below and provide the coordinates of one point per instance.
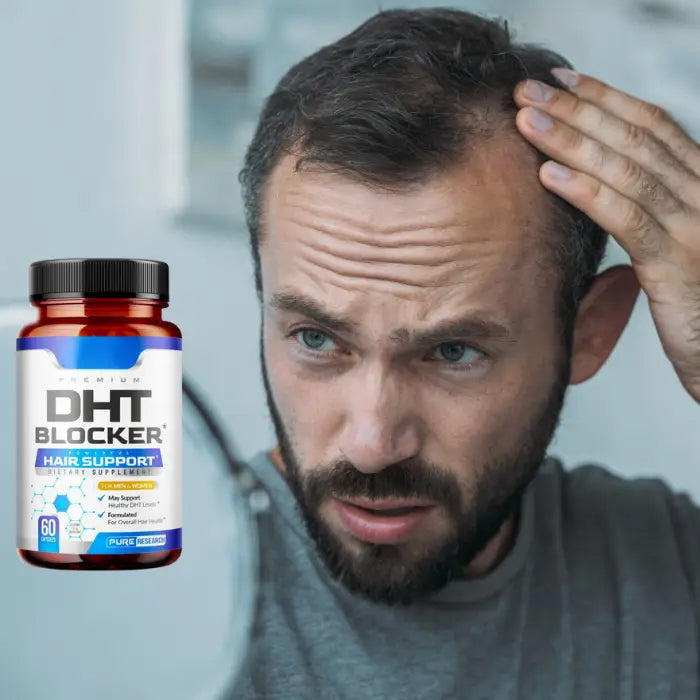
(540, 120)
(558, 171)
(535, 90)
(566, 76)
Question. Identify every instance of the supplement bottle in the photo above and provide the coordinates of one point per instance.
(99, 419)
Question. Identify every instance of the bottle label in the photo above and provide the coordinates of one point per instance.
(99, 444)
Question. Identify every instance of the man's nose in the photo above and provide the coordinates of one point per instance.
(381, 428)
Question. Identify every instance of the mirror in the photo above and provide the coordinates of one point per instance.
(180, 631)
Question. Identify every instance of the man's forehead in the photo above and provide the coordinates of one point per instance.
(489, 191)
(460, 242)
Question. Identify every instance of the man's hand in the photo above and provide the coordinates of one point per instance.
(637, 174)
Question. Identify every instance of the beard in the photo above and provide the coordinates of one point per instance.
(404, 573)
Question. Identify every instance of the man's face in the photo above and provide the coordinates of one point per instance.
(408, 445)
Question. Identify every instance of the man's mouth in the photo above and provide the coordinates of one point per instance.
(385, 521)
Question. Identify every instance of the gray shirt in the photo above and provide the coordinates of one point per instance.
(598, 598)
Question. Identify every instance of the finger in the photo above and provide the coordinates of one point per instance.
(633, 228)
(642, 114)
(627, 138)
(618, 172)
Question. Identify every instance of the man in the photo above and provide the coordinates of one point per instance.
(429, 290)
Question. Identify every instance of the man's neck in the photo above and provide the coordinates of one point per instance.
(276, 458)
(489, 557)
(495, 551)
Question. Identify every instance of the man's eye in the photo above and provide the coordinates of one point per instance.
(312, 339)
(452, 353)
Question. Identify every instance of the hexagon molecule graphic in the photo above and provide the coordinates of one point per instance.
(61, 503)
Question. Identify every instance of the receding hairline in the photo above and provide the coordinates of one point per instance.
(502, 137)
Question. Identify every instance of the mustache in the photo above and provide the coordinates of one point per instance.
(400, 480)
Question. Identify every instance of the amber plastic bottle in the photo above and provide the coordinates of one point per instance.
(100, 297)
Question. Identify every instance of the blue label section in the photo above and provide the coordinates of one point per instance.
(98, 352)
(86, 459)
(48, 533)
(135, 542)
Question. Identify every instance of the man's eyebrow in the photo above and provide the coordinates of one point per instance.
(471, 326)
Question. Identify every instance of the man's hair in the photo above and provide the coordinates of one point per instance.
(405, 96)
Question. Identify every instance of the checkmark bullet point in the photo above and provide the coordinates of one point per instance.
(101, 497)
(99, 515)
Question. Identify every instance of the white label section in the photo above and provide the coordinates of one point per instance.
(99, 451)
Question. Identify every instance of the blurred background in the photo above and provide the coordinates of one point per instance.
(123, 125)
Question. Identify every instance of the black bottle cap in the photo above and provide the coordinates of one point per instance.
(98, 277)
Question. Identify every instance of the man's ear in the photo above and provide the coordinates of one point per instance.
(602, 316)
